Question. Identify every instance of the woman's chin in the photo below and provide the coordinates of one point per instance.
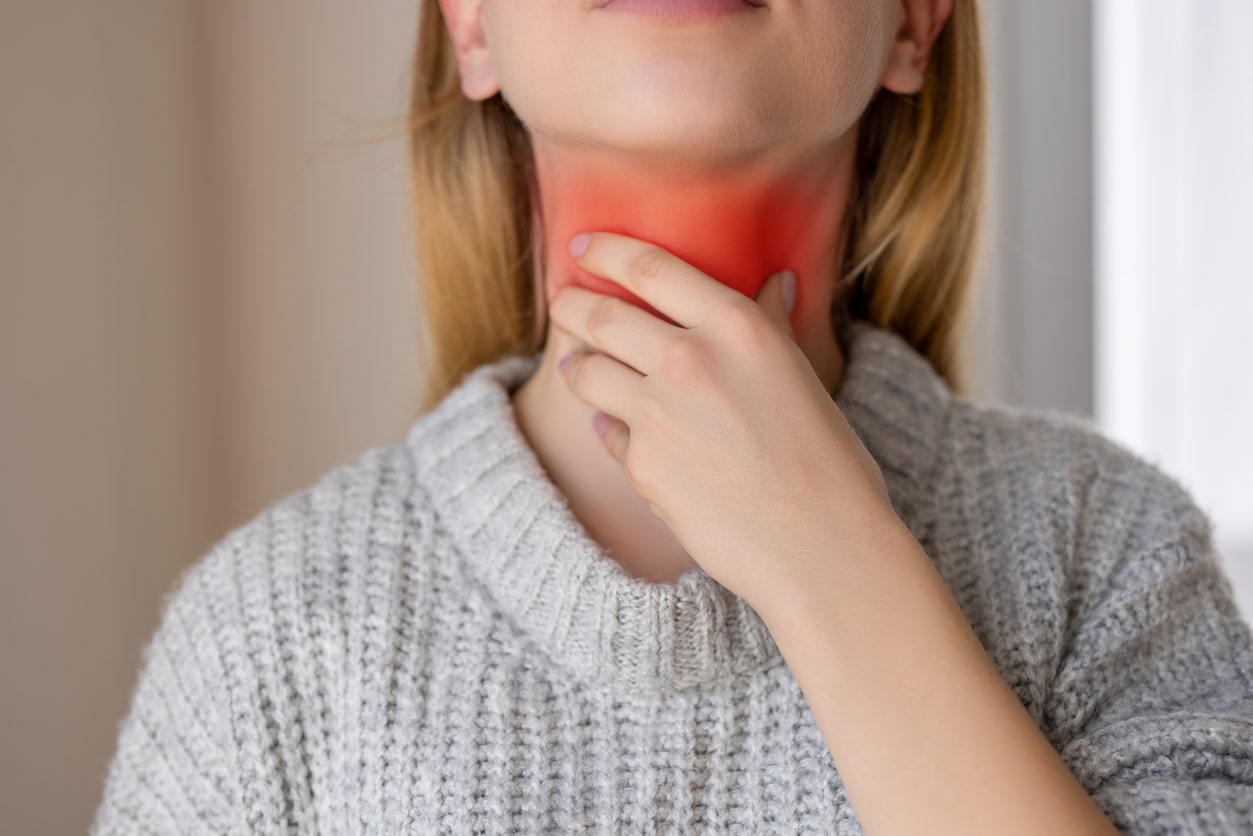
(678, 140)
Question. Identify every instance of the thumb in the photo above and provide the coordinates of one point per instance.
(778, 297)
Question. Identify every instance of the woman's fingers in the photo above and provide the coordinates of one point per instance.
(612, 325)
(604, 383)
(665, 281)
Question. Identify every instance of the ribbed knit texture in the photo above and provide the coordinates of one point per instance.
(427, 641)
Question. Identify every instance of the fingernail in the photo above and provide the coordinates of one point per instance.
(600, 423)
(789, 290)
(578, 244)
(564, 362)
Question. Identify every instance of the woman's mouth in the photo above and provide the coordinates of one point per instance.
(681, 11)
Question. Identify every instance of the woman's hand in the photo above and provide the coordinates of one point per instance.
(720, 420)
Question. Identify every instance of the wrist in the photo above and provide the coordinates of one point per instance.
(840, 583)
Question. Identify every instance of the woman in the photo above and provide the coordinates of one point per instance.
(679, 548)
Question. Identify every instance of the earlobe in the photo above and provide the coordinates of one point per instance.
(903, 73)
(474, 62)
(920, 24)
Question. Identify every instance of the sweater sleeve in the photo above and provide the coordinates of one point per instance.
(175, 765)
(1152, 706)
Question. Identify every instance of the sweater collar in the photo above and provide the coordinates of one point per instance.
(521, 540)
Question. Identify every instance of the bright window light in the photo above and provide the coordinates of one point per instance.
(1174, 229)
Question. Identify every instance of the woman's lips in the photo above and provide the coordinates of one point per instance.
(681, 10)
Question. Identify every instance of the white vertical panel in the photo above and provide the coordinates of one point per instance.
(1174, 127)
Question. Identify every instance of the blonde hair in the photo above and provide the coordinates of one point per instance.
(911, 230)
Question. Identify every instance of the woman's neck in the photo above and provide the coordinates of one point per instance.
(738, 222)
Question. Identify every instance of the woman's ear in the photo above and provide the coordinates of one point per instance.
(474, 63)
(920, 24)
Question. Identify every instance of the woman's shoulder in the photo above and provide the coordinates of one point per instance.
(312, 550)
(299, 587)
(256, 641)
(1094, 491)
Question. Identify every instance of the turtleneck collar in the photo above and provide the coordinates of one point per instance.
(519, 537)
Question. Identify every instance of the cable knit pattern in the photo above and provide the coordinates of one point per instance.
(428, 641)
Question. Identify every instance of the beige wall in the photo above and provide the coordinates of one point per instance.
(310, 222)
(205, 301)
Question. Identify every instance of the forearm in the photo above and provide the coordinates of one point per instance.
(925, 734)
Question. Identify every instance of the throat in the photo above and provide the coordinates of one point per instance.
(736, 221)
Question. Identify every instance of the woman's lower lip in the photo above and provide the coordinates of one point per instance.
(681, 10)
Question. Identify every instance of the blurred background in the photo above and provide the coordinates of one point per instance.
(207, 294)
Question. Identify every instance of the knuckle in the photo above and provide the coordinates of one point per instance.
(647, 265)
(683, 359)
(604, 312)
(747, 326)
(651, 414)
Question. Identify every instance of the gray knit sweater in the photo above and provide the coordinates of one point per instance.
(428, 641)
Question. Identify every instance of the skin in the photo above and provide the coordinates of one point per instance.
(693, 463)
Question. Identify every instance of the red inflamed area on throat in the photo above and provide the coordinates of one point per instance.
(735, 230)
